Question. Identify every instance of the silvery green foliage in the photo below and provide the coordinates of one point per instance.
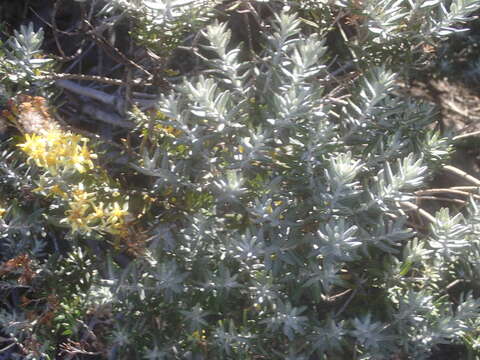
(21, 60)
(22, 226)
(283, 228)
(163, 24)
(449, 235)
(396, 30)
(167, 11)
(290, 238)
(387, 19)
(158, 12)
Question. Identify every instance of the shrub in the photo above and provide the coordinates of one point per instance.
(270, 218)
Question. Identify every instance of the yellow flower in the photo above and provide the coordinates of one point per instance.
(56, 190)
(99, 211)
(77, 209)
(169, 130)
(56, 150)
(76, 217)
(117, 214)
(85, 214)
(81, 158)
(80, 195)
(33, 146)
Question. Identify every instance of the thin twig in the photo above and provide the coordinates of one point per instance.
(113, 51)
(102, 79)
(476, 188)
(334, 298)
(454, 283)
(419, 210)
(445, 191)
(463, 136)
(79, 32)
(345, 304)
(461, 173)
(452, 106)
(54, 27)
(78, 53)
(7, 347)
(436, 198)
(92, 9)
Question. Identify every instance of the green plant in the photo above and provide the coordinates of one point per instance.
(271, 216)
(162, 26)
(306, 213)
(22, 61)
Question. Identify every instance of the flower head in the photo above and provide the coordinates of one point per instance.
(58, 151)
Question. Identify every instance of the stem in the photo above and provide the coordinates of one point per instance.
(461, 173)
(420, 211)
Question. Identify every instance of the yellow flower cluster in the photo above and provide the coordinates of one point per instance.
(57, 151)
(85, 214)
(60, 153)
